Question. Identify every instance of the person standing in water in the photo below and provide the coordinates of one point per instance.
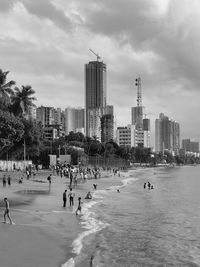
(79, 205)
(7, 211)
(71, 198)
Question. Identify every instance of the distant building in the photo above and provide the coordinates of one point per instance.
(147, 132)
(74, 119)
(94, 123)
(45, 115)
(142, 126)
(50, 133)
(137, 116)
(109, 109)
(95, 95)
(167, 135)
(107, 131)
(51, 120)
(126, 136)
(190, 146)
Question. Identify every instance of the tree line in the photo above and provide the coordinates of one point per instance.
(20, 136)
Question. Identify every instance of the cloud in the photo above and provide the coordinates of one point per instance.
(5, 5)
(46, 43)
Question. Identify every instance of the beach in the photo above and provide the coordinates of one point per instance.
(44, 231)
(124, 224)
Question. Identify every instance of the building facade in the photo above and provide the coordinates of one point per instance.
(167, 135)
(126, 136)
(74, 120)
(190, 146)
(51, 120)
(107, 128)
(95, 96)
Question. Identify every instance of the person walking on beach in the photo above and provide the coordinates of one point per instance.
(71, 198)
(95, 186)
(9, 180)
(49, 179)
(4, 181)
(64, 198)
(7, 211)
(79, 205)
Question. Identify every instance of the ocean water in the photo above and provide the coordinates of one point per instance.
(141, 227)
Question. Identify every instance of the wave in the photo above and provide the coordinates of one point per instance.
(91, 224)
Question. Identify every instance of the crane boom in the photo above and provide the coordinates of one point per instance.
(98, 57)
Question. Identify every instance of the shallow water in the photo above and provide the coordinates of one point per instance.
(142, 227)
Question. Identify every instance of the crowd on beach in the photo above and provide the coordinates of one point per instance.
(75, 175)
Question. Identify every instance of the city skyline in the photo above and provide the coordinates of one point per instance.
(157, 40)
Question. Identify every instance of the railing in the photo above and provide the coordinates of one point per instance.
(11, 165)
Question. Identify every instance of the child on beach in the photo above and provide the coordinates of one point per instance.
(88, 196)
(7, 211)
(79, 205)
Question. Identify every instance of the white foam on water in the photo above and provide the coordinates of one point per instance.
(127, 181)
(69, 263)
(91, 224)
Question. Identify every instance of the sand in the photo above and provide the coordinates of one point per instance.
(44, 231)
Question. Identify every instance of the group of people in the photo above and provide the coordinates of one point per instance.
(6, 180)
(148, 185)
(71, 197)
(74, 173)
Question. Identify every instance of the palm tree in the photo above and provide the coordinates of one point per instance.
(22, 100)
(5, 88)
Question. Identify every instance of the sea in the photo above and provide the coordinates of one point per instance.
(126, 225)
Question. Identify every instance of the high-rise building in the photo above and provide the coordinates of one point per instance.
(167, 135)
(74, 120)
(136, 116)
(146, 130)
(194, 147)
(95, 96)
(50, 118)
(109, 109)
(79, 119)
(45, 115)
(107, 130)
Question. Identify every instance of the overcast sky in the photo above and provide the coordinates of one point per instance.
(45, 43)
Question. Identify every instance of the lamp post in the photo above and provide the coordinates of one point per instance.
(24, 149)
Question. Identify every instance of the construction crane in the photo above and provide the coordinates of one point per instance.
(98, 57)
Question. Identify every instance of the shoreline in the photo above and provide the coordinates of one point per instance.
(44, 229)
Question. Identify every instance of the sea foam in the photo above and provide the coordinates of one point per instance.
(91, 224)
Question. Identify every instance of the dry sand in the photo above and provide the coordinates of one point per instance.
(43, 230)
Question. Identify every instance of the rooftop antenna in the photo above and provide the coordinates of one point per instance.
(139, 104)
(139, 91)
(98, 57)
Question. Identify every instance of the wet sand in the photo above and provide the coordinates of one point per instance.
(44, 231)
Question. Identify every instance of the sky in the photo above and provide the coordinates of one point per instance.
(45, 44)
